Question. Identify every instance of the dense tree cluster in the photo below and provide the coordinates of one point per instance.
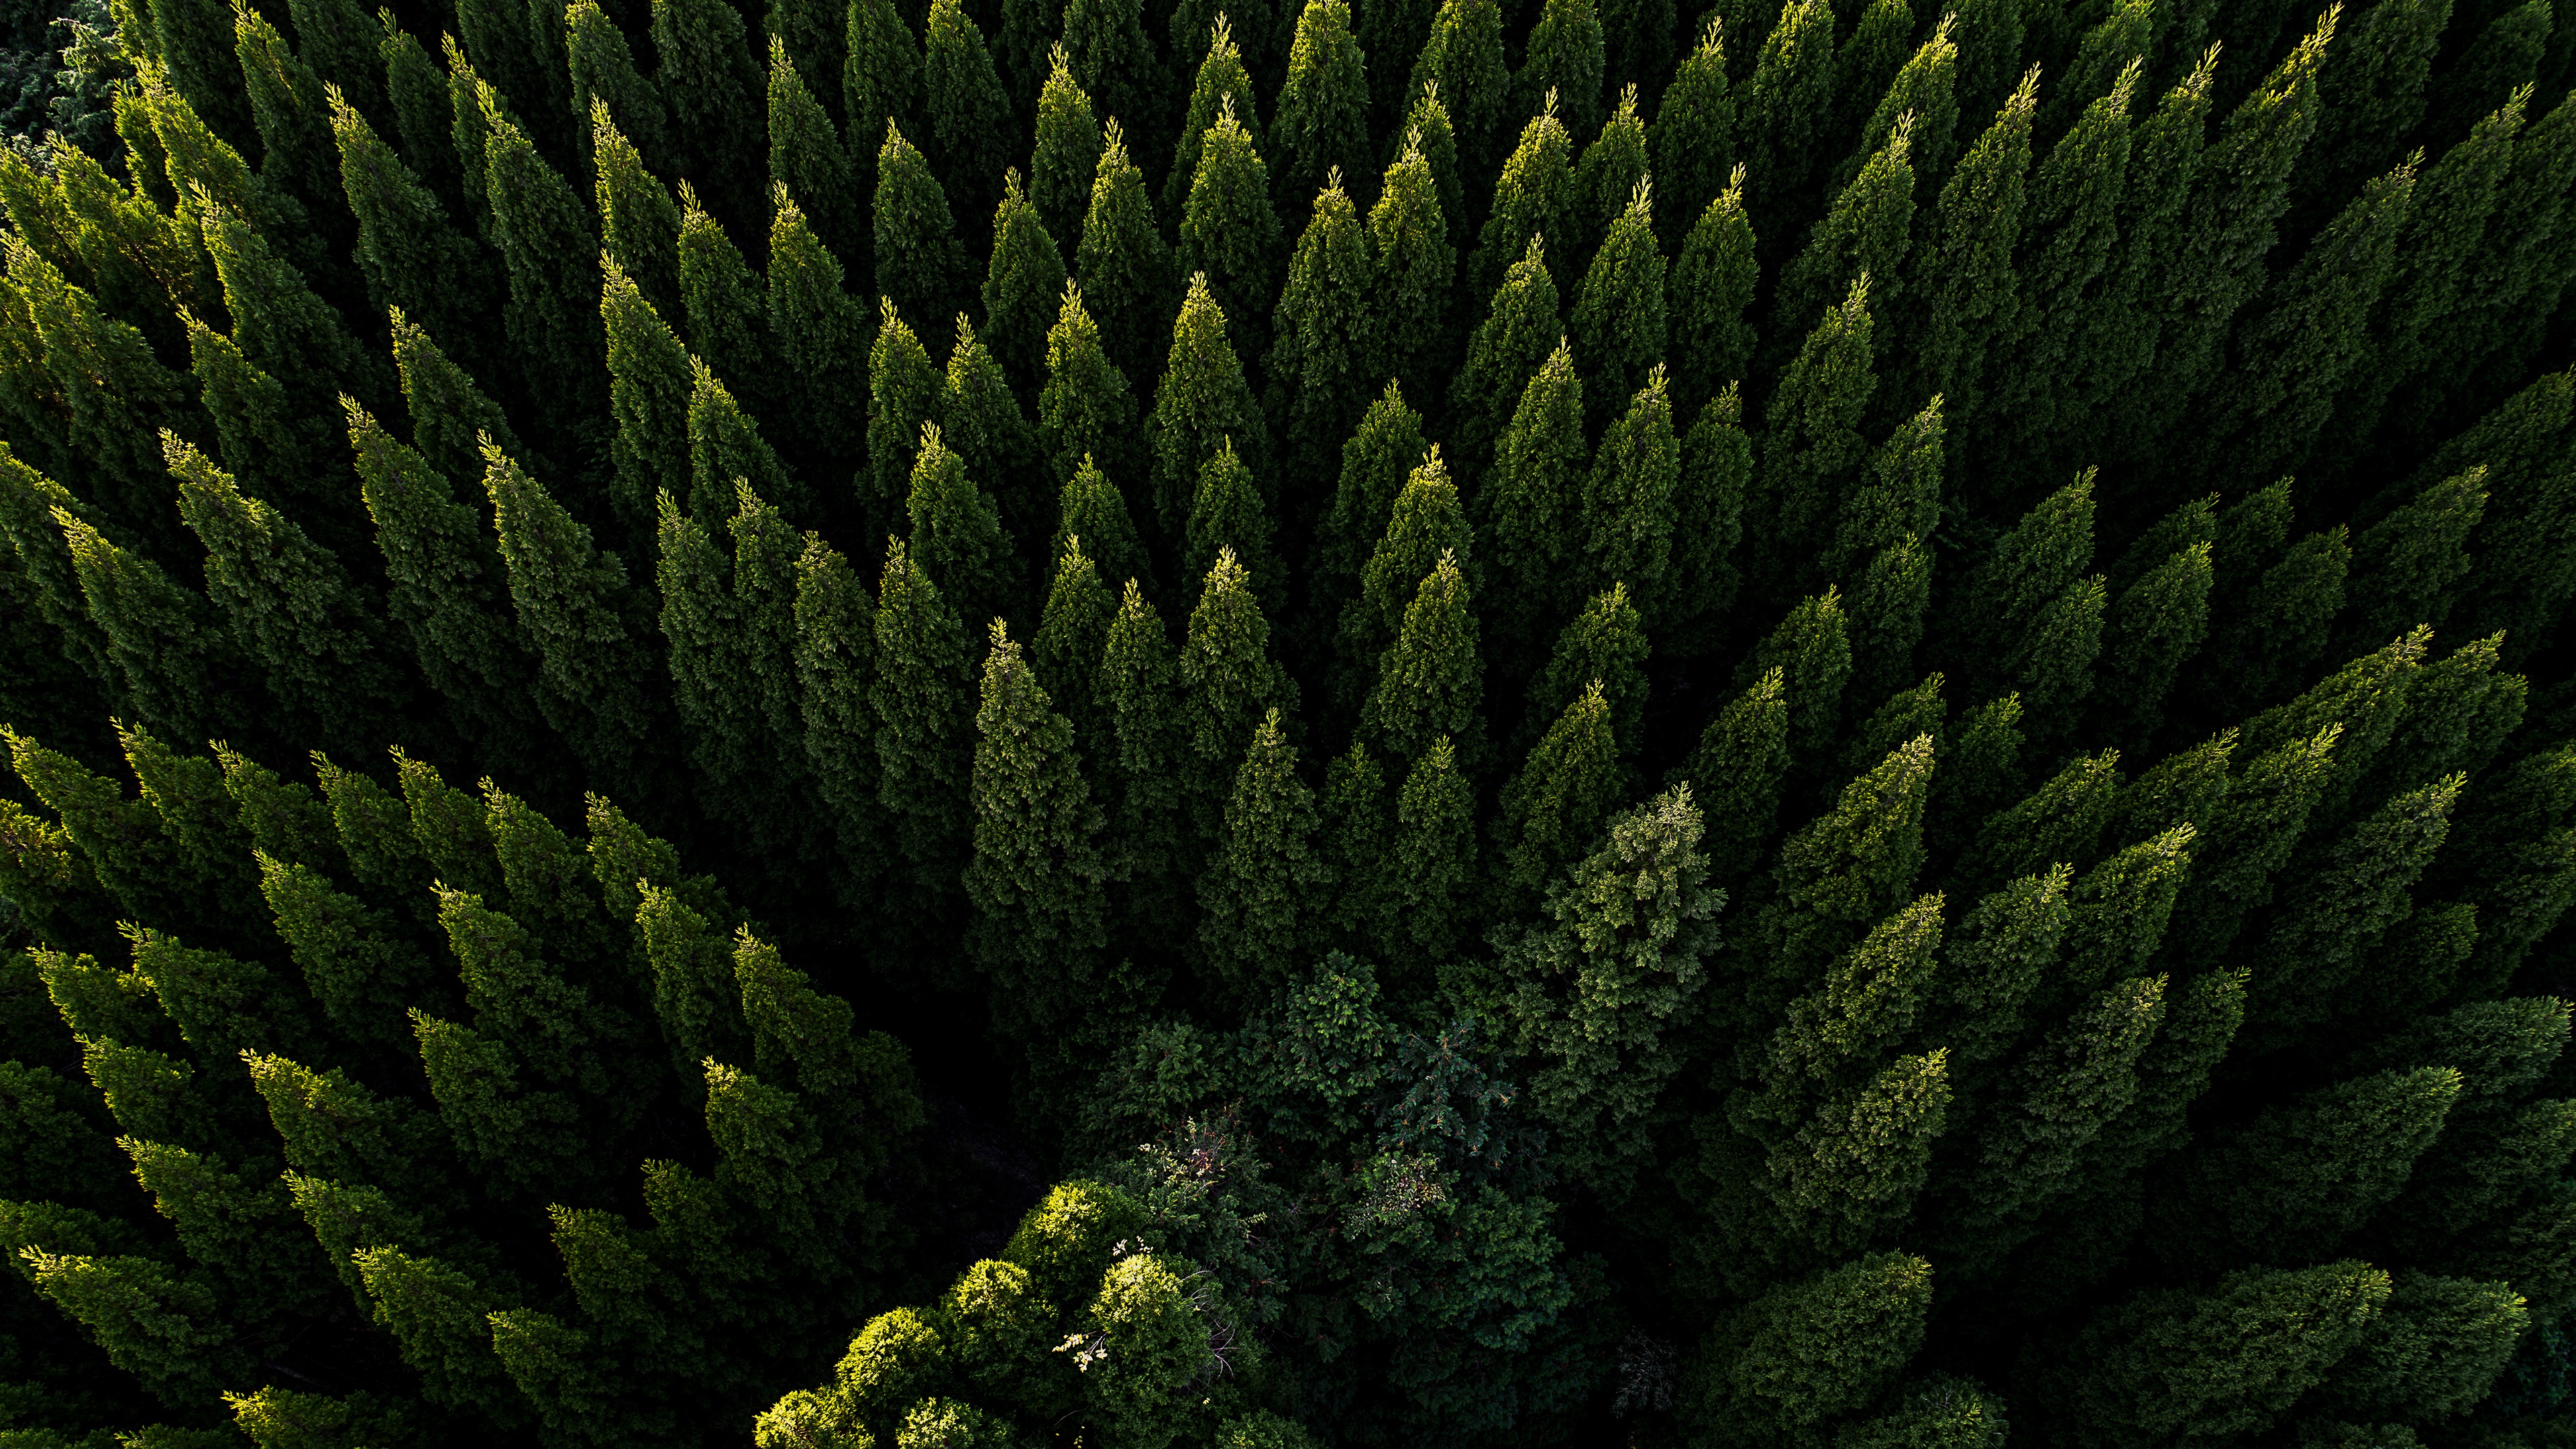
(943, 724)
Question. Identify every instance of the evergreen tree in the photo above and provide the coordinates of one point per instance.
(1693, 138)
(1738, 768)
(1604, 647)
(1788, 100)
(2155, 626)
(1320, 125)
(1073, 634)
(1520, 326)
(288, 110)
(957, 533)
(1970, 292)
(982, 420)
(806, 158)
(1226, 515)
(1227, 681)
(1430, 682)
(918, 689)
(1138, 693)
(721, 297)
(404, 241)
(1424, 523)
(835, 659)
(546, 240)
(1620, 314)
(1427, 128)
(2405, 565)
(920, 264)
(1221, 84)
(608, 89)
(1036, 876)
(1115, 62)
(1067, 160)
(725, 447)
(817, 329)
(1122, 262)
(1085, 410)
(903, 394)
(1814, 435)
(1564, 58)
(1867, 233)
(1711, 289)
(1201, 401)
(1326, 339)
(294, 613)
(1809, 1350)
(1534, 196)
(710, 82)
(1022, 284)
(963, 102)
(1409, 238)
(1628, 501)
(1092, 509)
(880, 72)
(639, 222)
(1229, 231)
(1528, 510)
(1607, 173)
(1549, 812)
(179, 671)
(649, 382)
(1259, 895)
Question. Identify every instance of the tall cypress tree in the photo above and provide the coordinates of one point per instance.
(1709, 507)
(903, 393)
(1430, 682)
(957, 532)
(1222, 84)
(725, 446)
(588, 628)
(711, 82)
(639, 223)
(1607, 173)
(648, 394)
(1814, 437)
(1552, 809)
(721, 297)
(1116, 63)
(835, 658)
(546, 240)
(806, 157)
(1866, 234)
(1375, 465)
(1693, 138)
(1463, 56)
(1201, 401)
(1424, 524)
(1125, 268)
(1091, 508)
(920, 262)
(294, 613)
(962, 99)
(1258, 898)
(918, 693)
(1431, 862)
(1327, 341)
(607, 86)
(981, 418)
(1321, 122)
(1628, 502)
(1073, 635)
(1036, 878)
(818, 330)
(1788, 100)
(1067, 158)
(1023, 283)
(1534, 196)
(1969, 292)
(1416, 266)
(1603, 647)
(1227, 682)
(1138, 691)
(179, 670)
(1528, 509)
(1085, 410)
(1564, 58)
(1619, 318)
(289, 111)
(1228, 229)
(1520, 326)
(411, 258)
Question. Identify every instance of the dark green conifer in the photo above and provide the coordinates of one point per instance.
(981, 418)
(1924, 88)
(1431, 862)
(918, 692)
(1628, 513)
(1534, 196)
(880, 74)
(1529, 506)
(1552, 809)
(1036, 879)
(1969, 293)
(968, 114)
(1463, 56)
(1326, 339)
(819, 331)
(1124, 267)
(1092, 509)
(1067, 159)
(920, 264)
(1121, 68)
(957, 532)
(1693, 138)
(411, 258)
(835, 657)
(806, 157)
(289, 111)
(1603, 648)
(1424, 523)
(1023, 283)
(607, 87)
(1221, 80)
(1138, 694)
(417, 93)
(1320, 125)
(1620, 314)
(1073, 633)
(1258, 899)
(725, 447)
(1226, 514)
(1563, 58)
(1607, 173)
(1866, 234)
(1788, 101)
(1201, 401)
(1228, 229)
(1085, 410)
(649, 381)
(1520, 326)
(2155, 626)
(1737, 771)
(1814, 438)
(548, 245)
(2404, 566)
(639, 223)
(179, 670)
(710, 80)
(903, 394)
(1430, 682)
(1227, 681)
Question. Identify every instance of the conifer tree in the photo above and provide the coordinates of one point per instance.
(1628, 501)
(1924, 88)
(711, 82)
(1067, 160)
(918, 691)
(920, 264)
(835, 658)
(1970, 291)
(1124, 267)
(583, 620)
(1564, 58)
(1073, 633)
(1023, 283)
(1424, 523)
(1227, 681)
(607, 88)
(1320, 125)
(1326, 339)
(2155, 626)
(279, 324)
(405, 245)
(1228, 229)
(1607, 173)
(1226, 514)
(639, 222)
(288, 110)
(546, 240)
(1866, 234)
(805, 156)
(720, 296)
(1603, 647)
(1259, 895)
(1693, 137)
(1092, 509)
(1534, 196)
(416, 92)
(1138, 693)
(1086, 410)
(1409, 239)
(1528, 508)
(1116, 63)
(1866, 62)
(1815, 417)
(981, 417)
(1463, 56)
(817, 329)
(725, 446)
(2404, 566)
(178, 669)
(649, 379)
(1430, 682)
(957, 533)
(294, 613)
(1221, 84)
(1550, 810)
(1201, 401)
(1036, 877)
(1620, 313)
(1737, 768)
(903, 393)
(1788, 100)
(1427, 127)
(1711, 289)
(1431, 861)
(962, 100)
(880, 72)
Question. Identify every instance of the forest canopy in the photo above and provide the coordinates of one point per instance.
(976, 724)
